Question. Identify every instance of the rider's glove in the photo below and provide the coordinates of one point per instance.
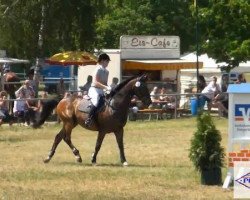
(107, 90)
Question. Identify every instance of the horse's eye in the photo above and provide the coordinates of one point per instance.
(137, 84)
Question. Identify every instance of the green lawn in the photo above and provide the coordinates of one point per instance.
(157, 153)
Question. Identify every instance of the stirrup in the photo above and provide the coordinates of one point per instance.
(89, 121)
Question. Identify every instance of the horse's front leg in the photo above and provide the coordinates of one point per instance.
(75, 151)
(57, 140)
(119, 139)
(98, 145)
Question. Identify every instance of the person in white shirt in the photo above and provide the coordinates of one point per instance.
(25, 89)
(99, 84)
(210, 94)
(20, 109)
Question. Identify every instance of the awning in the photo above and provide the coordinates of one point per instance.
(12, 60)
(159, 64)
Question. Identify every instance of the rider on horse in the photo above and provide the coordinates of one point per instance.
(96, 93)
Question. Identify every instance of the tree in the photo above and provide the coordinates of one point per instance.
(145, 17)
(68, 25)
(225, 26)
(122, 21)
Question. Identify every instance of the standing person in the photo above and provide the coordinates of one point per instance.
(6, 68)
(85, 88)
(114, 83)
(32, 106)
(60, 88)
(100, 80)
(201, 83)
(26, 89)
(33, 83)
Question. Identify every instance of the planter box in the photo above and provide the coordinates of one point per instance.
(211, 176)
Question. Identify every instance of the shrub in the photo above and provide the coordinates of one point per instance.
(206, 151)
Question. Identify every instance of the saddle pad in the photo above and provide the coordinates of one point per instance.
(85, 105)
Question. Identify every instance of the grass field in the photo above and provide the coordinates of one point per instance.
(157, 153)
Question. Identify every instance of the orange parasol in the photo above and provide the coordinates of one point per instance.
(72, 58)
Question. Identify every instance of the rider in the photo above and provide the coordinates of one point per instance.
(96, 93)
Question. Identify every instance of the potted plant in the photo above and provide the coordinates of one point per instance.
(206, 152)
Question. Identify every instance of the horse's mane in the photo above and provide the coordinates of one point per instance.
(11, 77)
(120, 86)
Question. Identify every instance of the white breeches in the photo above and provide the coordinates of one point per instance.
(94, 94)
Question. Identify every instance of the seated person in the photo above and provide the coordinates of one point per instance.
(163, 95)
(210, 94)
(154, 95)
(240, 79)
(133, 108)
(223, 97)
(4, 111)
(201, 83)
(20, 109)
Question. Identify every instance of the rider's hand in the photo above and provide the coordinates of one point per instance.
(108, 88)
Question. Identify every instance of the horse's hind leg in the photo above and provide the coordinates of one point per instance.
(67, 139)
(98, 145)
(57, 140)
(119, 139)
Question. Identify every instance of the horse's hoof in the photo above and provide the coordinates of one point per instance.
(46, 160)
(125, 164)
(94, 164)
(79, 159)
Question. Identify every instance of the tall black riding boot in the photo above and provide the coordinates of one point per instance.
(92, 113)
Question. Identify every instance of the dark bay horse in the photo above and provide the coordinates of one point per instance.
(112, 119)
(10, 87)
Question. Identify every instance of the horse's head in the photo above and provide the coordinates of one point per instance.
(141, 90)
(11, 77)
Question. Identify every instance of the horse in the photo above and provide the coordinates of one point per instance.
(112, 117)
(11, 87)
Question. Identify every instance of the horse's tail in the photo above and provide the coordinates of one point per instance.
(47, 108)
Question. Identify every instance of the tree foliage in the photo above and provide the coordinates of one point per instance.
(226, 26)
(67, 25)
(87, 24)
(145, 17)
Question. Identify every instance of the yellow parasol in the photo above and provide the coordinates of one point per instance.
(72, 58)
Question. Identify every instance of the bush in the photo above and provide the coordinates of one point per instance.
(206, 151)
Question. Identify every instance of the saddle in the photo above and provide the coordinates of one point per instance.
(85, 104)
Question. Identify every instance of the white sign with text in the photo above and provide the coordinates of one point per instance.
(150, 47)
(241, 180)
(241, 121)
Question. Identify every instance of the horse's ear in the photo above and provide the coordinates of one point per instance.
(143, 78)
